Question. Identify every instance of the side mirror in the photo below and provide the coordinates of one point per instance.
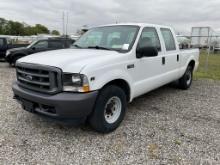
(146, 52)
(33, 48)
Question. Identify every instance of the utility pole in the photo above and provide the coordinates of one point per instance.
(63, 21)
(67, 21)
(209, 47)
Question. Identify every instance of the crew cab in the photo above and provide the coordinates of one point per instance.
(5, 44)
(12, 55)
(105, 69)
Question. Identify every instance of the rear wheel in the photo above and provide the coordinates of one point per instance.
(186, 81)
(109, 110)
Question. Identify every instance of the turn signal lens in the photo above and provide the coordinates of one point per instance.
(86, 88)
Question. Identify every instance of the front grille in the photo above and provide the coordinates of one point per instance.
(39, 78)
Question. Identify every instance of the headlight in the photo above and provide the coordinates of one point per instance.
(75, 83)
(7, 53)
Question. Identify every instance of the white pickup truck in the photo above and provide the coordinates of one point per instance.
(105, 69)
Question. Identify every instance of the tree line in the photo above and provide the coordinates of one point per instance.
(8, 27)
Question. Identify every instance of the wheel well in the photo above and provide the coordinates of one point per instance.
(17, 56)
(123, 85)
(192, 64)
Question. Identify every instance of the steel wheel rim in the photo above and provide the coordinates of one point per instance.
(112, 109)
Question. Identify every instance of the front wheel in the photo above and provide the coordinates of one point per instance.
(186, 80)
(109, 110)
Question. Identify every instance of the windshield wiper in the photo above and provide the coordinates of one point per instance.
(77, 46)
(99, 47)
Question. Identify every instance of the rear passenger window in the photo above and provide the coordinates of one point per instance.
(56, 45)
(41, 45)
(168, 39)
(149, 38)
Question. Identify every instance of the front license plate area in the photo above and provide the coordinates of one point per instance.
(28, 106)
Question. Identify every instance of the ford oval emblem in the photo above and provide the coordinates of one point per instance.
(28, 77)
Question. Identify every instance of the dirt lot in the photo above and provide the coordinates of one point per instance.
(164, 126)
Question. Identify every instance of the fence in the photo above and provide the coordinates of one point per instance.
(209, 43)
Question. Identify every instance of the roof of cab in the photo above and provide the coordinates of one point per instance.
(136, 24)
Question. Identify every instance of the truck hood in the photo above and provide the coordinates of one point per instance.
(70, 60)
(17, 49)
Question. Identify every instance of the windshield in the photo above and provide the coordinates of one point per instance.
(119, 38)
(33, 43)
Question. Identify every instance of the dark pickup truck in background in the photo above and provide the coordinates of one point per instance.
(12, 55)
(5, 44)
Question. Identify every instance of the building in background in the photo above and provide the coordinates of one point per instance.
(27, 39)
(201, 37)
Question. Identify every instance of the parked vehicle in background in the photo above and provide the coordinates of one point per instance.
(12, 55)
(184, 42)
(216, 45)
(109, 66)
(5, 44)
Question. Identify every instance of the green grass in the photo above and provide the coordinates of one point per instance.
(213, 69)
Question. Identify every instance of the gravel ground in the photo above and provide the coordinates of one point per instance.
(165, 126)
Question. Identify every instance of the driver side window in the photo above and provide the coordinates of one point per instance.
(149, 38)
(41, 45)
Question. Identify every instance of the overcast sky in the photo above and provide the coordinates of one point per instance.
(180, 14)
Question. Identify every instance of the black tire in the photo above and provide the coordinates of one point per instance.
(98, 119)
(186, 80)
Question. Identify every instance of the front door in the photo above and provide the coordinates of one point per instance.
(39, 47)
(148, 70)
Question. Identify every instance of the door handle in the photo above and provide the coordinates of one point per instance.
(163, 60)
(178, 58)
(130, 66)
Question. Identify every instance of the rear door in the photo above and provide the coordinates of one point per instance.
(171, 59)
(68, 43)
